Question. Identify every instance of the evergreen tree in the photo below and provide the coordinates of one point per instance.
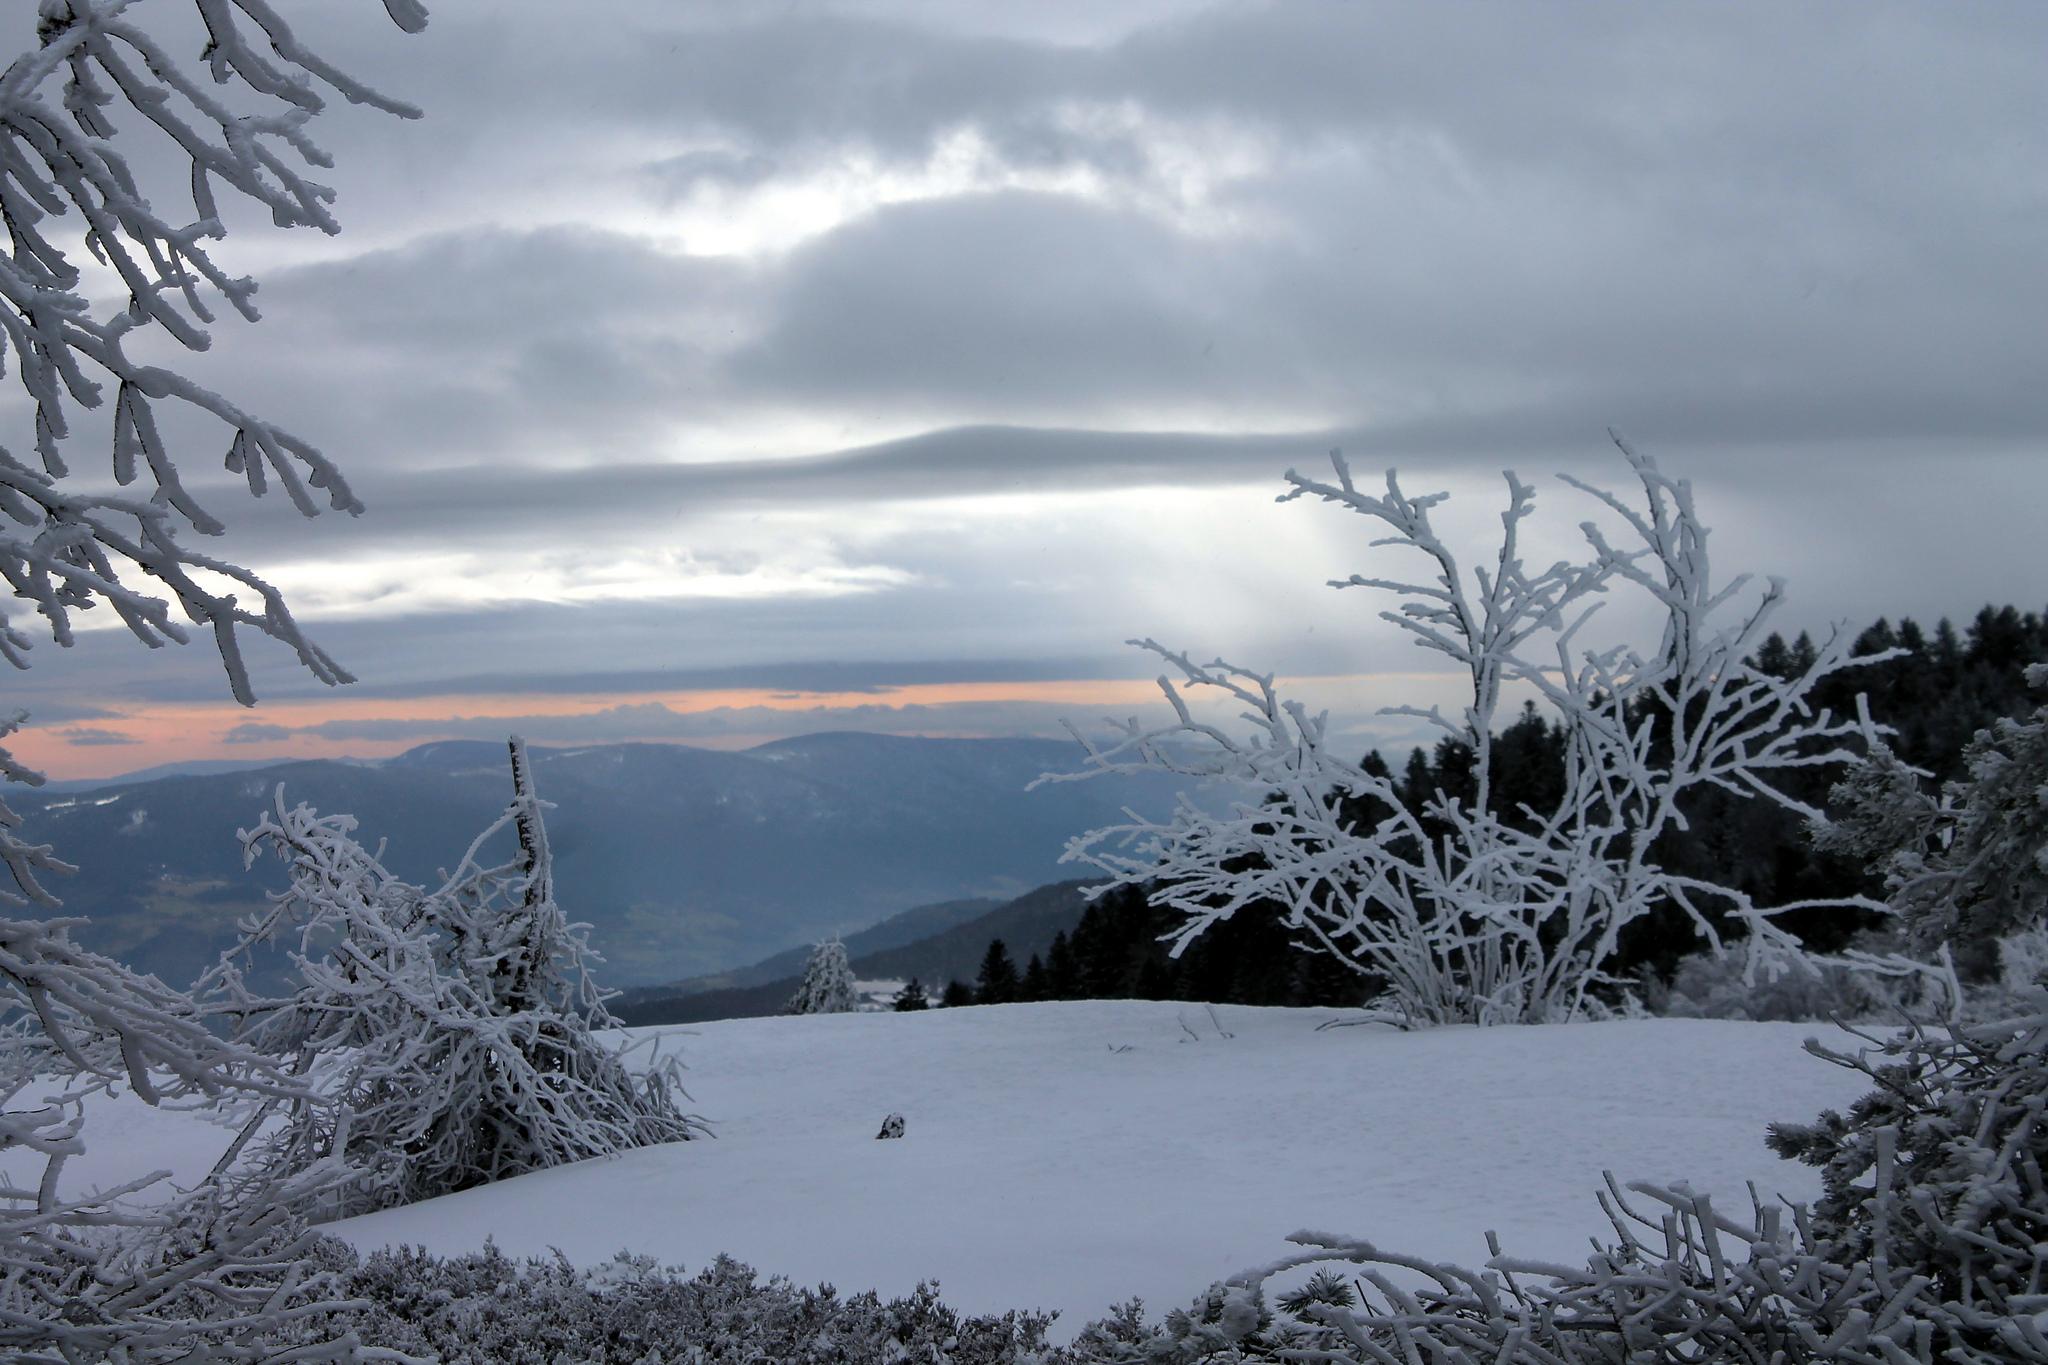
(911, 997)
(1774, 657)
(1948, 650)
(1037, 981)
(1972, 867)
(1062, 971)
(827, 987)
(957, 993)
(997, 982)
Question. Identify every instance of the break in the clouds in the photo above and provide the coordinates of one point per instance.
(700, 337)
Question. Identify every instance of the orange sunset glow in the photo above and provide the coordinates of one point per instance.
(177, 732)
(196, 730)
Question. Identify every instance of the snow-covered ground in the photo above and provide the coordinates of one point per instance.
(1072, 1155)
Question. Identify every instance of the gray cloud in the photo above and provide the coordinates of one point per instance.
(675, 176)
(57, 710)
(257, 732)
(1715, 223)
(92, 736)
(1795, 252)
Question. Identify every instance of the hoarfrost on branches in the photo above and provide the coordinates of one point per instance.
(82, 1277)
(197, 1275)
(827, 985)
(1458, 910)
(1968, 867)
(65, 550)
(448, 1036)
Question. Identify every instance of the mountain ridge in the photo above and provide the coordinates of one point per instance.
(953, 952)
(685, 861)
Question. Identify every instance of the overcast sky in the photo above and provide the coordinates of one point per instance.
(718, 371)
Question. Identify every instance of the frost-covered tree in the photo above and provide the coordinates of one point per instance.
(827, 985)
(449, 1035)
(1968, 867)
(80, 108)
(996, 982)
(102, 1275)
(1460, 911)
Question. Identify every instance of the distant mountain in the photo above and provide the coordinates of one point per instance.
(913, 925)
(194, 767)
(684, 861)
(1026, 925)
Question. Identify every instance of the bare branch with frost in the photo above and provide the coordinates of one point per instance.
(1460, 910)
(198, 1275)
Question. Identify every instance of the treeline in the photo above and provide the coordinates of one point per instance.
(1114, 953)
(1943, 686)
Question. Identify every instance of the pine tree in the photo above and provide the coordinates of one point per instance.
(1972, 867)
(911, 997)
(1037, 983)
(827, 987)
(1774, 657)
(997, 982)
(1062, 971)
(957, 993)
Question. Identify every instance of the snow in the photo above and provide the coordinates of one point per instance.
(1072, 1155)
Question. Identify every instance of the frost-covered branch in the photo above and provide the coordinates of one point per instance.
(157, 1276)
(1924, 1250)
(197, 1275)
(449, 1035)
(63, 162)
(1967, 866)
(1459, 909)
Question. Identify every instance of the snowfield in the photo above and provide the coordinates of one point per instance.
(1073, 1155)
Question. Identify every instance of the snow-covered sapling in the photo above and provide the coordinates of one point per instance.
(827, 985)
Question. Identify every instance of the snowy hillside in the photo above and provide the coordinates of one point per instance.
(1072, 1155)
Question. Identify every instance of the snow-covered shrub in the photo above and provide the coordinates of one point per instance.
(1682, 1282)
(2023, 960)
(1460, 910)
(1712, 986)
(827, 985)
(489, 1309)
(89, 1277)
(2021, 987)
(1926, 1248)
(449, 1034)
(1939, 1178)
(1969, 867)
